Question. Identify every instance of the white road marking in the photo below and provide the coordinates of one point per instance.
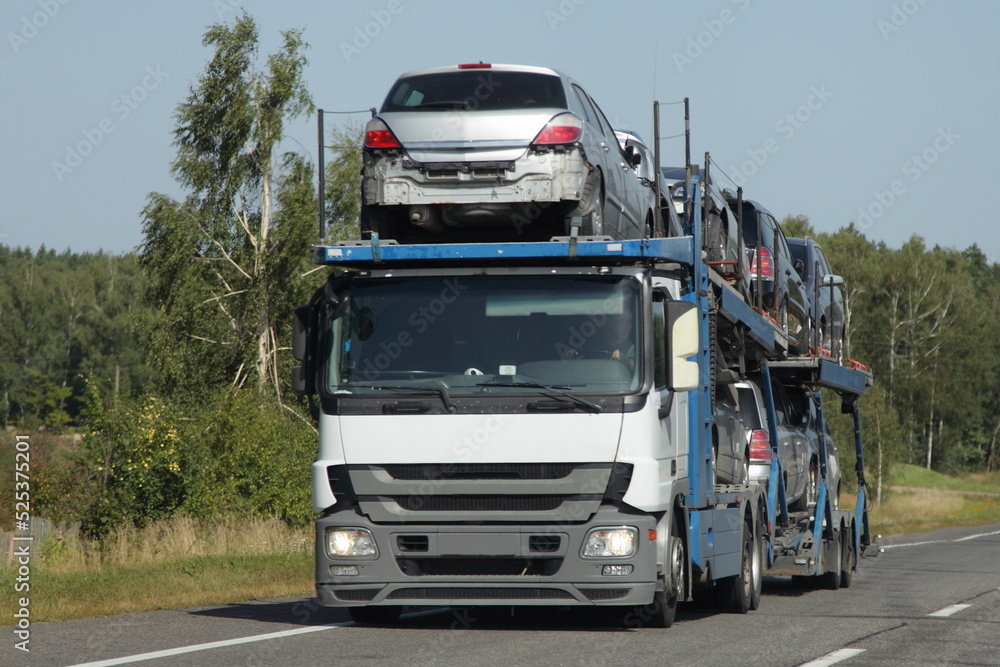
(208, 646)
(834, 658)
(949, 610)
(960, 539)
(166, 653)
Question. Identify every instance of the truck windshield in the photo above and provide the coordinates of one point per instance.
(488, 334)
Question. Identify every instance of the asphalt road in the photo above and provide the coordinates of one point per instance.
(929, 599)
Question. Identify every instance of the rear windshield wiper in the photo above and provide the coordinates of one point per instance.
(419, 388)
(552, 389)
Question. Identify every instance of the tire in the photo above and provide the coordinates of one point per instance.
(760, 558)
(591, 207)
(831, 578)
(662, 611)
(808, 499)
(375, 615)
(813, 489)
(848, 558)
(374, 219)
(736, 593)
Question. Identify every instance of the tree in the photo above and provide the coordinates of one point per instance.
(797, 226)
(343, 183)
(227, 265)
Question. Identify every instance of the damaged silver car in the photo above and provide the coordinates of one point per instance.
(466, 152)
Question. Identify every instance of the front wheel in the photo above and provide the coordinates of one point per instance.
(672, 588)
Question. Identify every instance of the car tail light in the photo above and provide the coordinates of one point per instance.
(565, 128)
(766, 264)
(760, 445)
(479, 65)
(378, 135)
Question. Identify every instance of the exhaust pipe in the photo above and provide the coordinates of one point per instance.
(426, 218)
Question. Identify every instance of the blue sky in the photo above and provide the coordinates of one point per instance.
(878, 112)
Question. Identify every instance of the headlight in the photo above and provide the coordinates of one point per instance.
(610, 543)
(350, 543)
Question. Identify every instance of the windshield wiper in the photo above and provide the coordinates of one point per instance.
(421, 388)
(552, 389)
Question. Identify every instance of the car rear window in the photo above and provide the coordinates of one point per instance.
(751, 221)
(472, 90)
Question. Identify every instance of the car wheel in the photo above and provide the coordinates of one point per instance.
(591, 207)
(783, 317)
(375, 219)
(813, 489)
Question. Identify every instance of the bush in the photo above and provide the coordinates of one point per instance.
(147, 459)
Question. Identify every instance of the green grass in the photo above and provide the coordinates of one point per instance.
(169, 584)
(940, 501)
(910, 475)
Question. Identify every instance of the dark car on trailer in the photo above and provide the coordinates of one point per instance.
(826, 299)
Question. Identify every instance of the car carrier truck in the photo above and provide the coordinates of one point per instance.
(531, 424)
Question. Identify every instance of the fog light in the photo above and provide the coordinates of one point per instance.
(350, 543)
(344, 570)
(616, 570)
(610, 543)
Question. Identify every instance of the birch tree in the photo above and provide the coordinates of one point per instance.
(226, 264)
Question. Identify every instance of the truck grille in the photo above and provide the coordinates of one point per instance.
(479, 594)
(492, 492)
(480, 471)
(478, 503)
(479, 567)
(605, 593)
(357, 594)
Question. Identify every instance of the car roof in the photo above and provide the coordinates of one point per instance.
(500, 67)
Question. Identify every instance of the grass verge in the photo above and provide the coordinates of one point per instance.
(929, 509)
(169, 584)
(926, 500)
(171, 564)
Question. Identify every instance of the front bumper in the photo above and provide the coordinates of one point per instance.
(393, 179)
(522, 564)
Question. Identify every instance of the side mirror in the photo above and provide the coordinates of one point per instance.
(831, 280)
(799, 265)
(631, 155)
(304, 332)
(682, 342)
